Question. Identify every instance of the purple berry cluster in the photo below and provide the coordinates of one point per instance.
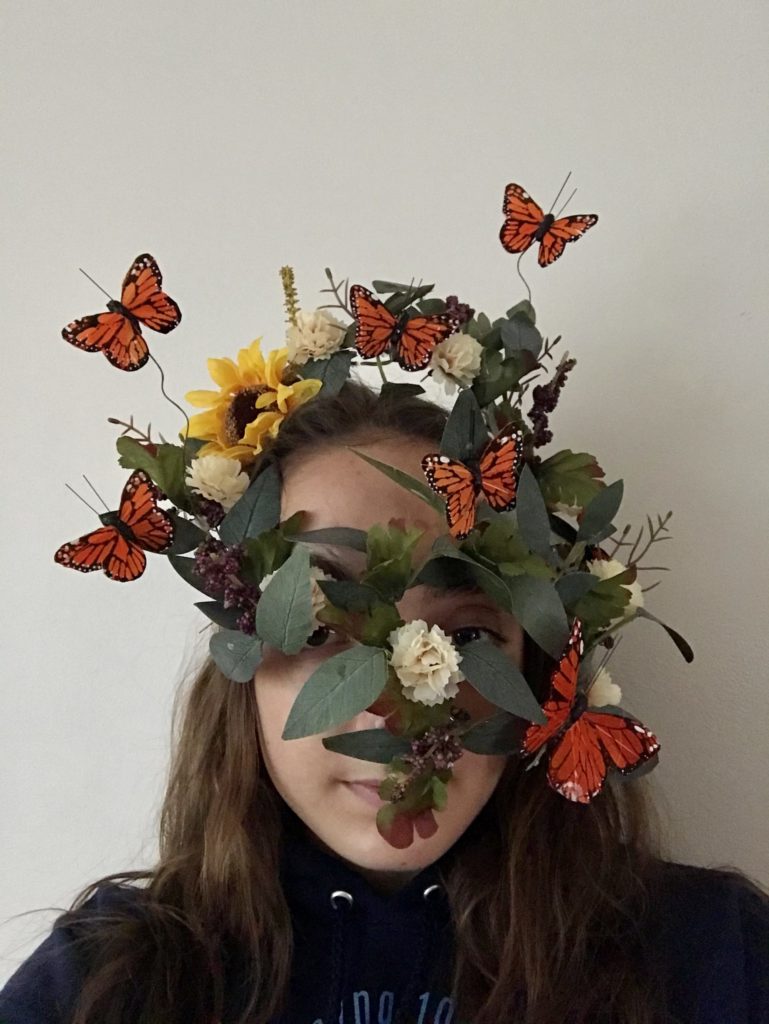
(211, 511)
(545, 400)
(438, 749)
(460, 310)
(219, 566)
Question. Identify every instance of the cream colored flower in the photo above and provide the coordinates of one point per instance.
(605, 569)
(426, 662)
(316, 335)
(456, 361)
(218, 479)
(317, 597)
(603, 690)
(566, 510)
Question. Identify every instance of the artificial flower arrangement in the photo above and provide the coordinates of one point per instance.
(531, 532)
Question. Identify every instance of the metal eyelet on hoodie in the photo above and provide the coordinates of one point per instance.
(344, 895)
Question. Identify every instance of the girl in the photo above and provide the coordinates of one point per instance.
(275, 898)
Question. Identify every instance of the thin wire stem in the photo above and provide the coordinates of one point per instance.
(525, 282)
(97, 284)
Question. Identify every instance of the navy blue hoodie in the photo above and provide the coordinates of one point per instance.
(373, 953)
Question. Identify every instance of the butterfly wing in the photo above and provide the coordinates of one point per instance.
(151, 526)
(500, 466)
(110, 333)
(144, 298)
(625, 741)
(455, 484)
(107, 549)
(563, 691)
(420, 336)
(567, 229)
(374, 323)
(522, 219)
(577, 768)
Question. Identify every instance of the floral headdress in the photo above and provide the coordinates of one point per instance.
(530, 532)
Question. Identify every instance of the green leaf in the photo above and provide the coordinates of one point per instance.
(377, 625)
(484, 577)
(257, 510)
(421, 490)
(497, 678)
(573, 586)
(596, 520)
(572, 478)
(236, 654)
(341, 536)
(500, 734)
(677, 639)
(216, 612)
(349, 595)
(465, 434)
(187, 535)
(431, 306)
(377, 745)
(605, 601)
(338, 690)
(531, 512)
(186, 569)
(284, 610)
(333, 371)
(524, 309)
(385, 287)
(394, 389)
(520, 334)
(439, 793)
(538, 608)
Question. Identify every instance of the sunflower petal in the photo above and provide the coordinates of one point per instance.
(203, 399)
(224, 373)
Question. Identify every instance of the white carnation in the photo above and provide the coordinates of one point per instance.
(317, 597)
(603, 690)
(218, 479)
(456, 361)
(426, 662)
(315, 335)
(605, 569)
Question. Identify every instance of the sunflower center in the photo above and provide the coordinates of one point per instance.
(242, 411)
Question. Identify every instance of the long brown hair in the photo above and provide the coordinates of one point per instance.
(547, 897)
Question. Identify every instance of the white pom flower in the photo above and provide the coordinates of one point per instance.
(315, 335)
(603, 690)
(456, 361)
(218, 479)
(317, 597)
(605, 569)
(426, 662)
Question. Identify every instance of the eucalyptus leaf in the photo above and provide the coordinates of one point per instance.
(377, 745)
(284, 609)
(333, 371)
(497, 678)
(257, 510)
(187, 535)
(676, 637)
(236, 654)
(597, 517)
(386, 287)
(533, 521)
(411, 484)
(396, 389)
(431, 306)
(341, 536)
(216, 612)
(523, 308)
(573, 586)
(520, 334)
(500, 734)
(350, 595)
(465, 434)
(484, 577)
(537, 606)
(338, 690)
(186, 569)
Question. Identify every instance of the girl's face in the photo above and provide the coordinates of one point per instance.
(336, 488)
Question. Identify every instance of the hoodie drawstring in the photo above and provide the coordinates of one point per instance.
(343, 903)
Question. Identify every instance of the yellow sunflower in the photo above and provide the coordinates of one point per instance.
(250, 405)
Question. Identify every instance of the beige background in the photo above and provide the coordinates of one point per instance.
(377, 138)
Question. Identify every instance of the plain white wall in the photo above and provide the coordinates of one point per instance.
(377, 138)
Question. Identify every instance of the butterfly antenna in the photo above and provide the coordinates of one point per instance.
(82, 499)
(97, 284)
(559, 192)
(104, 503)
(565, 205)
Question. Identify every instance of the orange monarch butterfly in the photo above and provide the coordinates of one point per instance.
(377, 329)
(118, 333)
(584, 743)
(526, 223)
(116, 547)
(495, 475)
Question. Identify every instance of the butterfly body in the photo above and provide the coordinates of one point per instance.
(117, 333)
(527, 223)
(584, 743)
(118, 546)
(494, 475)
(411, 339)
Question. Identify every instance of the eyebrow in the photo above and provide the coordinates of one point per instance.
(341, 568)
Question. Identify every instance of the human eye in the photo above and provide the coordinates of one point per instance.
(466, 634)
